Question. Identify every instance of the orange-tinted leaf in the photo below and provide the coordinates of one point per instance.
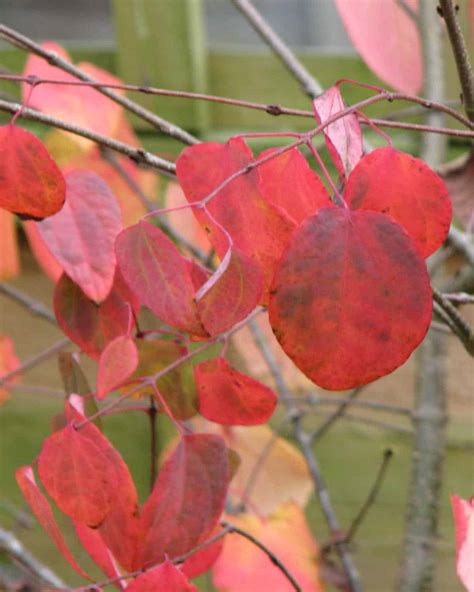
(164, 577)
(463, 511)
(81, 105)
(117, 362)
(282, 474)
(176, 387)
(395, 183)
(93, 543)
(157, 272)
(8, 362)
(387, 38)
(92, 326)
(230, 294)
(351, 298)
(48, 263)
(242, 566)
(77, 475)
(229, 397)
(187, 499)
(42, 510)
(32, 184)
(240, 207)
(343, 137)
(287, 181)
(9, 256)
(82, 235)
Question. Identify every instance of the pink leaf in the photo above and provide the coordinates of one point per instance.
(117, 362)
(463, 511)
(343, 137)
(229, 397)
(165, 577)
(387, 38)
(82, 235)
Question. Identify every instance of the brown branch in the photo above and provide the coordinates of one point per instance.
(448, 10)
(279, 47)
(459, 325)
(138, 155)
(19, 40)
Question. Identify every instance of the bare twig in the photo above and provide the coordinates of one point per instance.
(448, 11)
(336, 415)
(279, 47)
(16, 38)
(457, 322)
(13, 547)
(138, 155)
(35, 307)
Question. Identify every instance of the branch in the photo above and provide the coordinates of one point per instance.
(336, 415)
(19, 40)
(279, 47)
(13, 547)
(138, 155)
(459, 325)
(35, 307)
(448, 11)
(304, 441)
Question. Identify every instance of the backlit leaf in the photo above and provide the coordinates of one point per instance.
(387, 38)
(463, 511)
(31, 183)
(351, 298)
(240, 207)
(177, 387)
(92, 326)
(187, 499)
(117, 362)
(157, 272)
(343, 137)
(77, 475)
(242, 566)
(227, 396)
(287, 181)
(42, 510)
(395, 183)
(82, 235)
(164, 577)
(230, 294)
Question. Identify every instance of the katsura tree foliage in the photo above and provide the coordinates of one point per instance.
(336, 259)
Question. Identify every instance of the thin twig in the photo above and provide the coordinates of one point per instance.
(152, 413)
(304, 441)
(273, 558)
(13, 547)
(448, 10)
(16, 38)
(279, 47)
(138, 155)
(458, 323)
(316, 399)
(319, 433)
(35, 307)
(459, 298)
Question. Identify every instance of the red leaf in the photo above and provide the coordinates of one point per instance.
(240, 207)
(230, 294)
(82, 105)
(343, 137)
(463, 511)
(42, 510)
(229, 397)
(93, 543)
(199, 562)
(187, 499)
(351, 298)
(164, 577)
(120, 529)
(287, 181)
(32, 184)
(157, 272)
(387, 38)
(48, 263)
(82, 235)
(77, 475)
(117, 362)
(395, 183)
(88, 324)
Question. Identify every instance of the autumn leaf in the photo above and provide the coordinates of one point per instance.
(164, 577)
(463, 511)
(117, 362)
(8, 362)
(351, 298)
(9, 253)
(32, 184)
